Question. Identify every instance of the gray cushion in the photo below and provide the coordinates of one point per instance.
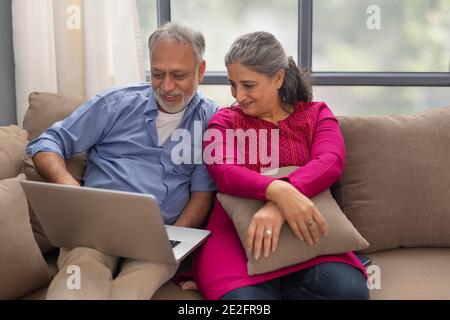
(13, 141)
(22, 268)
(342, 236)
(395, 186)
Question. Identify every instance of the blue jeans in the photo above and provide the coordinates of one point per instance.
(332, 280)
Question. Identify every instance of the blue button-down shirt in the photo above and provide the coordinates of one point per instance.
(118, 132)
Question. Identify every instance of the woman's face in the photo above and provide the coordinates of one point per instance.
(256, 93)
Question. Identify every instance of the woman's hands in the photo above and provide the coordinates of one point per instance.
(300, 212)
(264, 230)
(285, 203)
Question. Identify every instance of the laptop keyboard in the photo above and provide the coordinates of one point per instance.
(174, 243)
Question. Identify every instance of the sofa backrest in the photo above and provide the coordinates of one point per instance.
(45, 109)
(395, 186)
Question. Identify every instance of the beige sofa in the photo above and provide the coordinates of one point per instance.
(394, 190)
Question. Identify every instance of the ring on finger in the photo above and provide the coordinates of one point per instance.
(268, 232)
(310, 222)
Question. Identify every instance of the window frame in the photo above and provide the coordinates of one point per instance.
(305, 35)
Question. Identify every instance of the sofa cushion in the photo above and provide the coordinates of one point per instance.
(22, 268)
(410, 274)
(45, 109)
(395, 185)
(342, 236)
(13, 141)
(52, 263)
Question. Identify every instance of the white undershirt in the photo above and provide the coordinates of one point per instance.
(166, 123)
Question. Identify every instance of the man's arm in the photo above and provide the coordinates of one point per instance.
(75, 134)
(196, 210)
(52, 168)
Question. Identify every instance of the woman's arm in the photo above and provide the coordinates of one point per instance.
(325, 168)
(328, 156)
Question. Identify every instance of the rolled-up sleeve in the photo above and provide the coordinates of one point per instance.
(77, 133)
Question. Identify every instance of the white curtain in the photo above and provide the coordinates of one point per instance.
(75, 47)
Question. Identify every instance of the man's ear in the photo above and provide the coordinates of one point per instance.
(201, 71)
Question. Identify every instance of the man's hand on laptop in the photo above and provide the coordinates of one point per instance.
(68, 180)
(52, 168)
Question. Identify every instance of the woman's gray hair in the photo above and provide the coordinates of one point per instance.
(263, 53)
(182, 34)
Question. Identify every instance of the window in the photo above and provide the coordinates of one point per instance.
(381, 35)
(220, 94)
(148, 22)
(361, 100)
(366, 56)
(223, 21)
(374, 100)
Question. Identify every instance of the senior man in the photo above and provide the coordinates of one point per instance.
(126, 135)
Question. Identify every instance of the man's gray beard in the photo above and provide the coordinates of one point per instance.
(174, 108)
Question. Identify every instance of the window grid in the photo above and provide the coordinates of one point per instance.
(305, 7)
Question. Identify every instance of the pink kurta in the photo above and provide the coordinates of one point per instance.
(310, 138)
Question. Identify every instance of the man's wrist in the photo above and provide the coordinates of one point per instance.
(68, 180)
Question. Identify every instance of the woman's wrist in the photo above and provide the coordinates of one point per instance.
(274, 189)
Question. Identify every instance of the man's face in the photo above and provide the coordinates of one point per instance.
(175, 74)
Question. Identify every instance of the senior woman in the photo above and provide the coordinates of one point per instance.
(272, 94)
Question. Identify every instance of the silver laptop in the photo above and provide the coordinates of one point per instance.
(116, 223)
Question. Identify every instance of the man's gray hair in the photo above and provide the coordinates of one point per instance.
(183, 34)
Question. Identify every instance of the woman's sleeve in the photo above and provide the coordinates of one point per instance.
(230, 177)
(327, 160)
